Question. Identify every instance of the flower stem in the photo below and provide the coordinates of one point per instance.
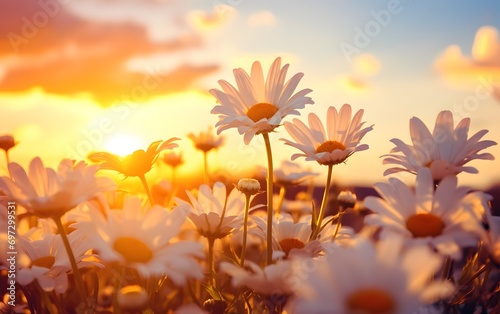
(211, 262)
(322, 209)
(205, 167)
(146, 188)
(76, 272)
(245, 230)
(269, 255)
(339, 222)
(281, 199)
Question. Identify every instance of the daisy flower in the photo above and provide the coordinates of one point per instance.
(445, 151)
(445, 217)
(257, 106)
(47, 193)
(214, 213)
(289, 238)
(136, 164)
(370, 279)
(270, 280)
(291, 174)
(142, 239)
(334, 146)
(45, 260)
(206, 141)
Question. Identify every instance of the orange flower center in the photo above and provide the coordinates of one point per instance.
(425, 225)
(260, 111)
(372, 301)
(329, 146)
(137, 163)
(46, 262)
(290, 243)
(133, 250)
(205, 147)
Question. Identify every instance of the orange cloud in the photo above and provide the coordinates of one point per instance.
(49, 47)
(364, 66)
(483, 64)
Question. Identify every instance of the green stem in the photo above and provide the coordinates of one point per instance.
(211, 262)
(146, 188)
(245, 230)
(281, 198)
(324, 202)
(269, 251)
(76, 272)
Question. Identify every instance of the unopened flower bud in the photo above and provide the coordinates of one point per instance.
(346, 199)
(249, 186)
(132, 298)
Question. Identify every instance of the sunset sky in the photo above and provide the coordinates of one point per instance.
(80, 76)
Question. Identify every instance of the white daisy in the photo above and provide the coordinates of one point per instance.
(289, 238)
(270, 280)
(334, 146)
(44, 259)
(291, 174)
(445, 151)
(214, 213)
(258, 106)
(367, 279)
(445, 218)
(142, 239)
(47, 193)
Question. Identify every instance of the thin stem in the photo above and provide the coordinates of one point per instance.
(448, 265)
(211, 262)
(326, 193)
(205, 167)
(269, 251)
(7, 159)
(146, 188)
(46, 300)
(281, 198)
(245, 230)
(76, 272)
(339, 223)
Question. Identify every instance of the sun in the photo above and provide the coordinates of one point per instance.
(123, 144)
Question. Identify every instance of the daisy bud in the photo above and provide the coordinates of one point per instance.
(249, 186)
(7, 142)
(346, 199)
(132, 298)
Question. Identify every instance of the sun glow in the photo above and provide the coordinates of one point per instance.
(123, 144)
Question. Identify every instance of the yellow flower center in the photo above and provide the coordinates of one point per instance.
(370, 300)
(425, 225)
(46, 262)
(329, 146)
(260, 111)
(290, 243)
(133, 250)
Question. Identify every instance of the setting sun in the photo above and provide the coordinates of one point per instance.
(123, 144)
